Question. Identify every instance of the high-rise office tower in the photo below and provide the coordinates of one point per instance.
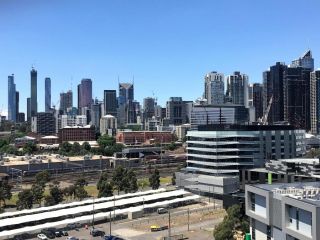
(296, 97)
(96, 114)
(126, 105)
(29, 109)
(176, 111)
(315, 101)
(84, 95)
(17, 106)
(66, 102)
(214, 88)
(149, 108)
(257, 99)
(273, 87)
(47, 91)
(237, 88)
(126, 91)
(33, 98)
(110, 102)
(12, 99)
(305, 61)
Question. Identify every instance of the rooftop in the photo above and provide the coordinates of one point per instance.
(308, 192)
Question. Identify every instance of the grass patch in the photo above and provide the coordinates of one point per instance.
(92, 190)
(165, 180)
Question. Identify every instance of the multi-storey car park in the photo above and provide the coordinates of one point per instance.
(83, 212)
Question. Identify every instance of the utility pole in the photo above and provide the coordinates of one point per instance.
(188, 219)
(110, 222)
(169, 227)
(93, 213)
(114, 208)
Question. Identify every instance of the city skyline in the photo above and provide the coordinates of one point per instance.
(179, 39)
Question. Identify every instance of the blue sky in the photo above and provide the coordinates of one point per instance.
(167, 45)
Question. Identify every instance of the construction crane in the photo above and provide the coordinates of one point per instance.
(264, 119)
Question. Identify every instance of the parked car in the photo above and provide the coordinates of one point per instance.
(22, 236)
(48, 233)
(111, 237)
(72, 238)
(96, 232)
(41, 236)
(162, 211)
(65, 233)
(155, 228)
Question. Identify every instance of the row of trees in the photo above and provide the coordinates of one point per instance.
(36, 194)
(125, 180)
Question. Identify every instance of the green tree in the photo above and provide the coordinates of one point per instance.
(25, 199)
(86, 146)
(154, 179)
(81, 182)
(3, 143)
(65, 148)
(5, 192)
(106, 140)
(38, 193)
(173, 179)
(29, 148)
(76, 148)
(103, 178)
(56, 196)
(132, 180)
(234, 220)
(105, 190)
(42, 178)
(117, 178)
(80, 193)
(69, 192)
(172, 146)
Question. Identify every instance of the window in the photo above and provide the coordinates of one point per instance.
(253, 202)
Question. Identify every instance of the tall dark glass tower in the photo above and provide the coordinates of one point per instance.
(47, 90)
(110, 102)
(273, 86)
(33, 98)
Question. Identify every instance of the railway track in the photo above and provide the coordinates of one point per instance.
(92, 175)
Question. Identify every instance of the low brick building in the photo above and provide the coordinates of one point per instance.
(77, 133)
(144, 137)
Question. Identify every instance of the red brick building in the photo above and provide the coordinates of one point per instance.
(77, 133)
(144, 137)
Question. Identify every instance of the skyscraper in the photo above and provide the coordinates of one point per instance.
(237, 88)
(12, 99)
(296, 97)
(126, 91)
(176, 111)
(315, 101)
(149, 108)
(126, 105)
(66, 102)
(273, 87)
(257, 99)
(28, 109)
(96, 114)
(47, 90)
(110, 102)
(84, 95)
(305, 61)
(17, 106)
(33, 98)
(214, 88)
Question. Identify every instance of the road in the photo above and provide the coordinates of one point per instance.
(139, 229)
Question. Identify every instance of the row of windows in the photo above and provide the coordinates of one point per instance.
(228, 160)
(238, 145)
(237, 153)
